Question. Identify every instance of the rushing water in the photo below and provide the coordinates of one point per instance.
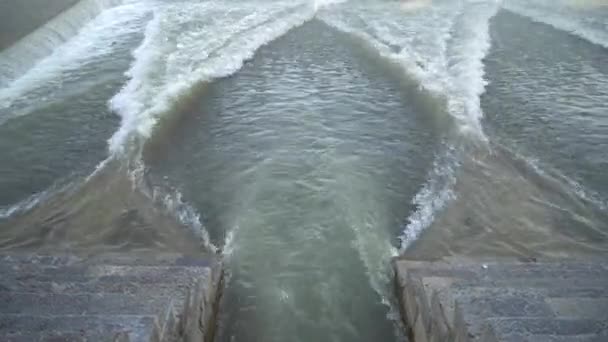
(308, 143)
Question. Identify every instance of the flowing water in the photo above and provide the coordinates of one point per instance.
(308, 143)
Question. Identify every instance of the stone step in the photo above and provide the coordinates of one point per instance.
(557, 299)
(180, 288)
(66, 337)
(482, 302)
(479, 303)
(550, 338)
(542, 329)
(450, 301)
(505, 271)
(167, 310)
(85, 273)
(52, 337)
(23, 337)
(20, 303)
(139, 259)
(476, 304)
(187, 287)
(78, 327)
(535, 300)
(177, 292)
(541, 283)
(592, 308)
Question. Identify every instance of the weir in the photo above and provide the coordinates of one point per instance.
(305, 188)
(20, 18)
(32, 29)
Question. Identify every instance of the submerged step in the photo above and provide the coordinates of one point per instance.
(111, 297)
(457, 300)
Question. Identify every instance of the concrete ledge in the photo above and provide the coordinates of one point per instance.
(466, 301)
(108, 298)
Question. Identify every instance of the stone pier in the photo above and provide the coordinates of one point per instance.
(113, 297)
(507, 301)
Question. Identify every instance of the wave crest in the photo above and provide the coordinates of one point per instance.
(441, 45)
(186, 45)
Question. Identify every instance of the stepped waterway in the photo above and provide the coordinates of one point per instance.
(307, 143)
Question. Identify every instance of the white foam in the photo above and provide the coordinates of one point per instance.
(170, 199)
(187, 44)
(441, 45)
(320, 4)
(184, 213)
(468, 47)
(376, 251)
(229, 242)
(432, 198)
(586, 20)
(413, 5)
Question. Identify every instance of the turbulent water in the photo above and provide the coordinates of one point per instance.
(308, 143)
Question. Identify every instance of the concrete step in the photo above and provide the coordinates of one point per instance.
(85, 273)
(100, 285)
(552, 338)
(542, 329)
(185, 285)
(81, 304)
(439, 297)
(139, 259)
(50, 304)
(451, 301)
(66, 337)
(55, 337)
(552, 301)
(475, 305)
(79, 327)
(21, 337)
(178, 293)
(509, 271)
